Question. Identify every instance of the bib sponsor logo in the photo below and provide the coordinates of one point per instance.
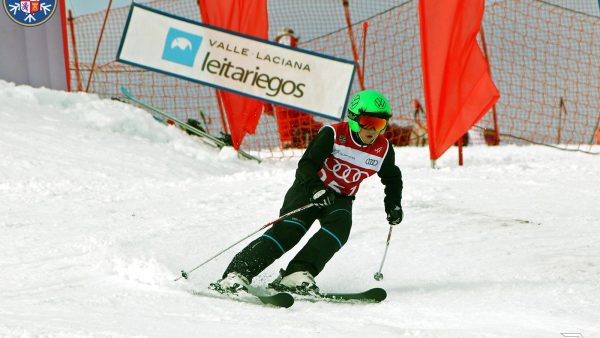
(341, 154)
(371, 161)
(345, 172)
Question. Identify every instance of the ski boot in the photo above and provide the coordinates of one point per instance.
(233, 283)
(299, 282)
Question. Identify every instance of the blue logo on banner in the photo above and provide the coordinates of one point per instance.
(181, 47)
(29, 12)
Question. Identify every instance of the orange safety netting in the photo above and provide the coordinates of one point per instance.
(544, 59)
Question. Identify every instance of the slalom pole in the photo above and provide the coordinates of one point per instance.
(378, 275)
(185, 274)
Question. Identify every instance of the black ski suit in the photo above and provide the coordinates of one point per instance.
(335, 220)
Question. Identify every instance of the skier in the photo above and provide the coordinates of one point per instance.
(329, 173)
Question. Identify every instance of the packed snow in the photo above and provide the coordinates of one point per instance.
(101, 207)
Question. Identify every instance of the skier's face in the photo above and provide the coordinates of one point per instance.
(368, 135)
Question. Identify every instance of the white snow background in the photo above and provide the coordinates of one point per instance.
(101, 207)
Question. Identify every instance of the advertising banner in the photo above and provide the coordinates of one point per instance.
(161, 42)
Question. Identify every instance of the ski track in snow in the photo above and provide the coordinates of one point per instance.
(101, 207)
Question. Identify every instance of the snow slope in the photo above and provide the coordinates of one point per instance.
(100, 207)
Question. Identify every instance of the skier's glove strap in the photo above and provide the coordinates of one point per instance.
(322, 197)
(394, 214)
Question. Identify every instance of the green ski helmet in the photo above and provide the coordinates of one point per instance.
(367, 102)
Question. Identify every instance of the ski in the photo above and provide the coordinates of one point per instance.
(374, 295)
(279, 299)
(164, 116)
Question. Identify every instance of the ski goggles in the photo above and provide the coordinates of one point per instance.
(368, 122)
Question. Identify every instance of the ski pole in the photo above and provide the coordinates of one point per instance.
(185, 274)
(378, 275)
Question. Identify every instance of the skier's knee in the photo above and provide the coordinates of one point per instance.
(286, 234)
(338, 237)
(337, 226)
(340, 218)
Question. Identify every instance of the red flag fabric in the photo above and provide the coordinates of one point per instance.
(247, 17)
(458, 87)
